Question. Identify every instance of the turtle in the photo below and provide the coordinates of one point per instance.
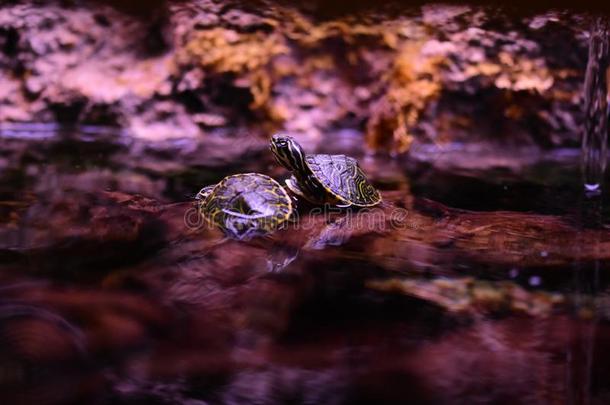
(320, 179)
(245, 205)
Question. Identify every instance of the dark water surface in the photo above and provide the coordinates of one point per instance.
(472, 284)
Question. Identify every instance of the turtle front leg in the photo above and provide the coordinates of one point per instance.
(293, 185)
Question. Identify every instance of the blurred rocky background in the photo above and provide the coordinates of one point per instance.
(393, 73)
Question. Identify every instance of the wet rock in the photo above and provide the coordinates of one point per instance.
(468, 295)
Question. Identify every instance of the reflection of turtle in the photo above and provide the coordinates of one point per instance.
(245, 205)
(324, 178)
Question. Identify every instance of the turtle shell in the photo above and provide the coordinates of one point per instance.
(342, 177)
(245, 205)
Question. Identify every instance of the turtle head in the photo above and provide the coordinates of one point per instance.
(288, 153)
(204, 193)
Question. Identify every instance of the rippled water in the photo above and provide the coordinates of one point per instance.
(473, 284)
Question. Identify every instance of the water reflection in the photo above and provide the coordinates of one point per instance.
(43, 358)
(490, 296)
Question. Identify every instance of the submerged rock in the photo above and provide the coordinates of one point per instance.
(470, 296)
(79, 234)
